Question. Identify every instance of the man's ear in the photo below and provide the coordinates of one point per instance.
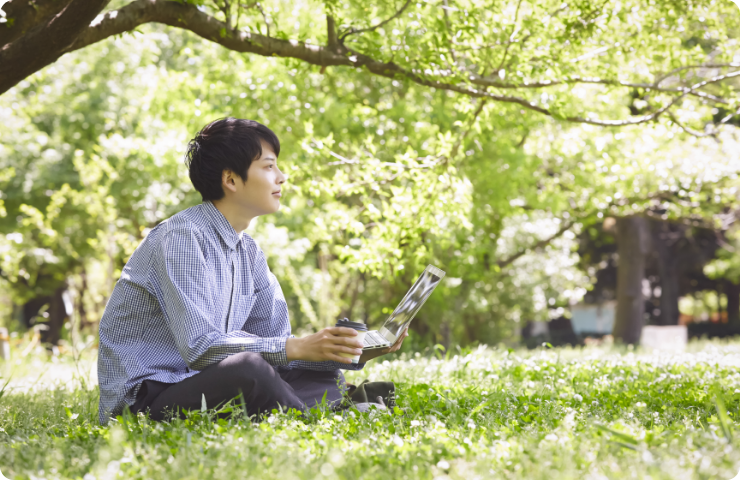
(228, 180)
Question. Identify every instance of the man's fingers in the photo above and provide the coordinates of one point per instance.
(342, 331)
(399, 342)
(338, 358)
(347, 342)
(350, 350)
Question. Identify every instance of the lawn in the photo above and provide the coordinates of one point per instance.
(593, 413)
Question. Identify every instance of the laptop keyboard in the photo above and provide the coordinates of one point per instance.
(373, 338)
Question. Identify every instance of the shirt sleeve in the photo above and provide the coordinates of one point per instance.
(185, 292)
(270, 313)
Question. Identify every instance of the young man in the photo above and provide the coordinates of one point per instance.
(198, 312)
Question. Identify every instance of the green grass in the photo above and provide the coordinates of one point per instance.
(595, 413)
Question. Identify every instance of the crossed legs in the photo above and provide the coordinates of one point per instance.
(245, 375)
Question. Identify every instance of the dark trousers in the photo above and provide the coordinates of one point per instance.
(244, 376)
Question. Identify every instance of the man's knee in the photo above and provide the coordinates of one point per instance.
(258, 382)
(248, 364)
(249, 370)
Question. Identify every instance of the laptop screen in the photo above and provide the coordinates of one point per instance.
(412, 302)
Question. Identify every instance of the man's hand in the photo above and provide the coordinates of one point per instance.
(324, 345)
(375, 353)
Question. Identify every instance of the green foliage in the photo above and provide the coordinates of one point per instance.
(474, 413)
(727, 263)
(385, 175)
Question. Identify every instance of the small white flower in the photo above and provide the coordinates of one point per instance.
(551, 437)
(443, 464)
(577, 398)
(415, 423)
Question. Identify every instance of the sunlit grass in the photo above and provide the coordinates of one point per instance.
(593, 413)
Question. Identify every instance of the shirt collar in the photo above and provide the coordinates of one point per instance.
(222, 226)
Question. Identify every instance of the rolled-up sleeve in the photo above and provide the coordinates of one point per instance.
(185, 291)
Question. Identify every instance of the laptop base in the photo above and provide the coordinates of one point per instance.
(374, 340)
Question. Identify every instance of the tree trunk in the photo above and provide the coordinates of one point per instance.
(718, 292)
(57, 316)
(81, 310)
(446, 335)
(31, 309)
(633, 243)
(732, 291)
(668, 271)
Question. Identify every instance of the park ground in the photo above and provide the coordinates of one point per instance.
(600, 412)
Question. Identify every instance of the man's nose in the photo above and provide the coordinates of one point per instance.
(281, 177)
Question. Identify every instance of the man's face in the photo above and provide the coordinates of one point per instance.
(261, 193)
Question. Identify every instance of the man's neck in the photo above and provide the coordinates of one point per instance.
(234, 215)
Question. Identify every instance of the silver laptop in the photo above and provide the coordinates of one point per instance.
(405, 311)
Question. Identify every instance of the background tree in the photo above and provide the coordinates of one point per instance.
(726, 270)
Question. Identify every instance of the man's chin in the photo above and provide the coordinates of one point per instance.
(275, 207)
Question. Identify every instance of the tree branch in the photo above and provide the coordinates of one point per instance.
(729, 116)
(490, 82)
(511, 37)
(660, 79)
(542, 243)
(22, 15)
(46, 41)
(189, 17)
(691, 131)
(696, 133)
(262, 11)
(331, 34)
(461, 138)
(446, 11)
(352, 31)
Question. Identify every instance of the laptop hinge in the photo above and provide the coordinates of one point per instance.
(388, 335)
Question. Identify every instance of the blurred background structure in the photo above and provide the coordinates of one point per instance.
(566, 162)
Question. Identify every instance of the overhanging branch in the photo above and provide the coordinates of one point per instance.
(491, 82)
(189, 17)
(22, 15)
(44, 42)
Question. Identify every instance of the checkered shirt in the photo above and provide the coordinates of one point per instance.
(194, 292)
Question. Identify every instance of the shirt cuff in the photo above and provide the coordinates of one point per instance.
(274, 351)
(353, 366)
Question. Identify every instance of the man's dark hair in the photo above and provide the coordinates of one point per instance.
(225, 144)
